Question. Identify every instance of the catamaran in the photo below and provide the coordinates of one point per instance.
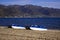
(34, 27)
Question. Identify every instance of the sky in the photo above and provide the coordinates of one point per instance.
(43, 3)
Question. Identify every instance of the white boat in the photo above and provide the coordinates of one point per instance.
(41, 29)
(18, 27)
(34, 27)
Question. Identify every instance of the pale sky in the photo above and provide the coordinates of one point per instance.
(44, 3)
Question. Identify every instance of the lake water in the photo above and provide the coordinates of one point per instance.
(50, 23)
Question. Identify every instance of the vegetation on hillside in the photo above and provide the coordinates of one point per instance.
(28, 11)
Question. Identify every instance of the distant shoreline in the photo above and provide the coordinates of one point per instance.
(30, 17)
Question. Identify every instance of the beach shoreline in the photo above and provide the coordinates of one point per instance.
(23, 34)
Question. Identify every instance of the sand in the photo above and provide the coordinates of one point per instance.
(22, 34)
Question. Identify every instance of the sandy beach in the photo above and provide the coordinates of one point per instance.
(22, 34)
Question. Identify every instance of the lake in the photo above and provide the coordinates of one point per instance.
(49, 23)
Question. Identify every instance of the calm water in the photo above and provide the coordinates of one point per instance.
(50, 23)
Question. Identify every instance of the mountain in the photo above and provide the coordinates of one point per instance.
(28, 11)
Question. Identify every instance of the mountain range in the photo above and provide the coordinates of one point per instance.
(30, 11)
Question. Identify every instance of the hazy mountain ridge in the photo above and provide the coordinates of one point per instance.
(28, 11)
